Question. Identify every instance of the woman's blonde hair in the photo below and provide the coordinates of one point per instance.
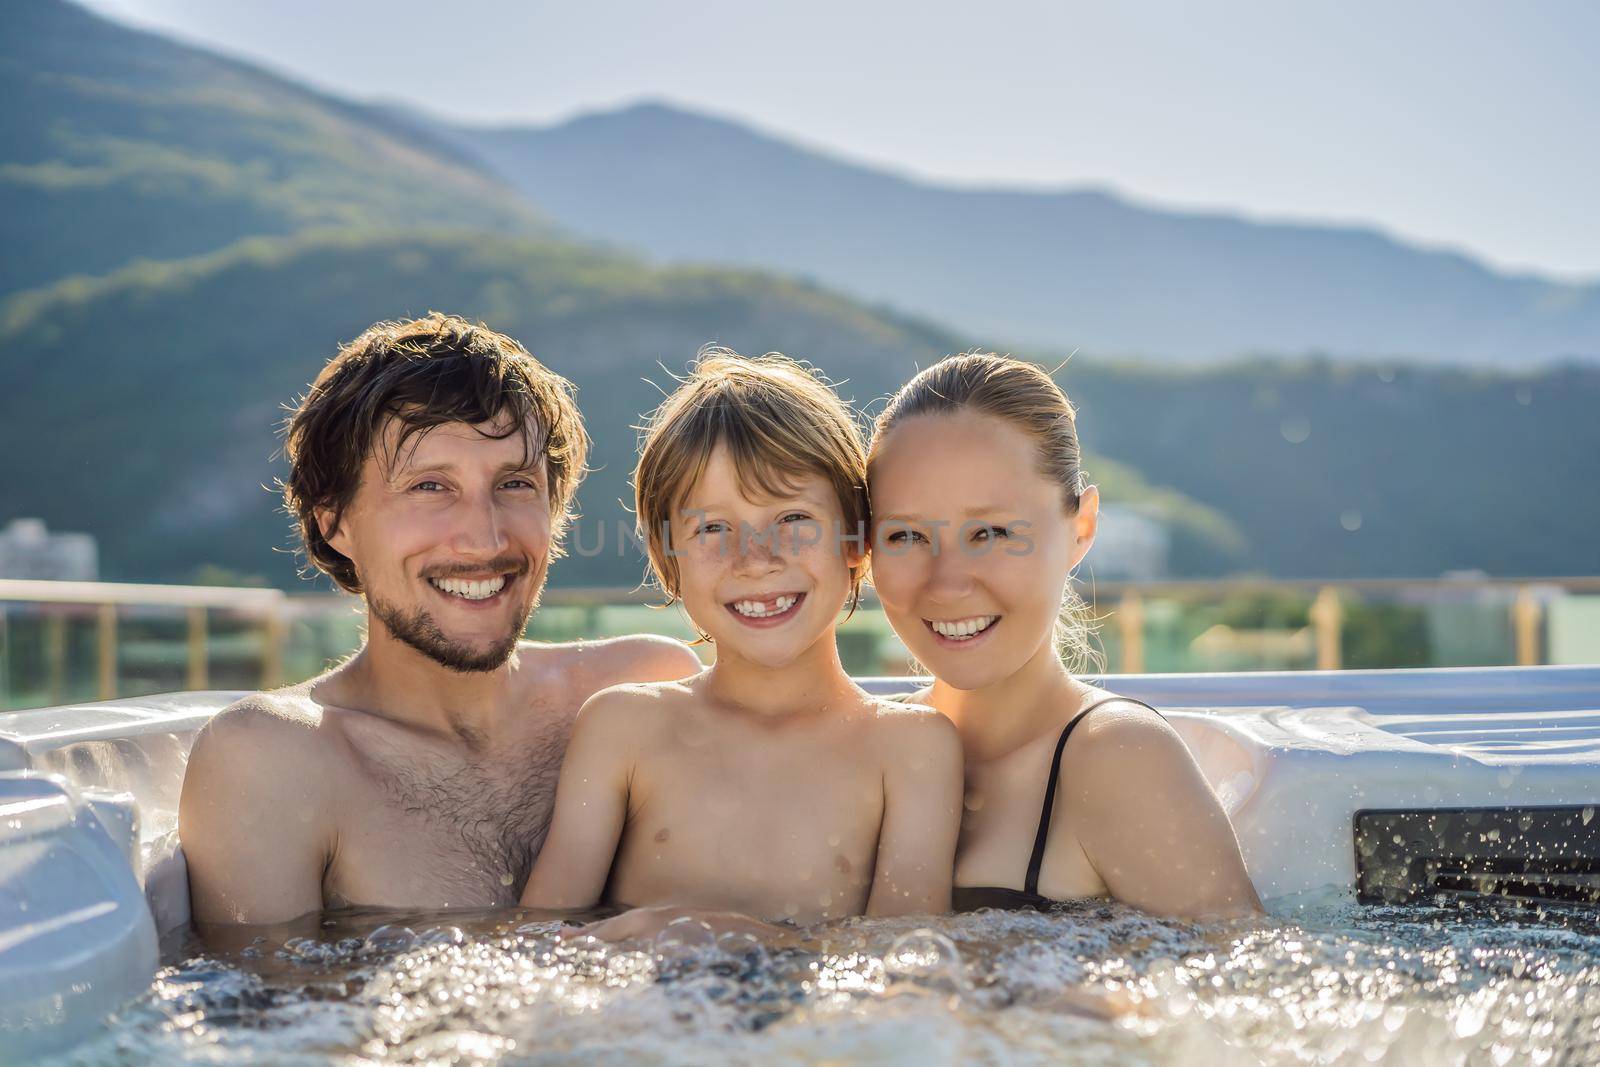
(1028, 398)
(780, 421)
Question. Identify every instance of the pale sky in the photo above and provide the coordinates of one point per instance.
(1468, 124)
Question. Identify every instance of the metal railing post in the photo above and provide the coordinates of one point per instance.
(272, 649)
(1526, 615)
(106, 651)
(1327, 618)
(55, 654)
(197, 647)
(1130, 626)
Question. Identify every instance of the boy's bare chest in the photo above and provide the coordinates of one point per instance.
(797, 831)
(424, 826)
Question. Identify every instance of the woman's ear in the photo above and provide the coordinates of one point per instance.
(1085, 523)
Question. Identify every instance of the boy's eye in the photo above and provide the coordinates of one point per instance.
(714, 526)
(794, 516)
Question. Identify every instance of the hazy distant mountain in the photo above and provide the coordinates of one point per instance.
(116, 144)
(1260, 467)
(1060, 270)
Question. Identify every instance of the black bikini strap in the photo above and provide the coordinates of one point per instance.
(1036, 861)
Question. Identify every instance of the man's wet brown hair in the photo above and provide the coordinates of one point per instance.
(423, 373)
(780, 421)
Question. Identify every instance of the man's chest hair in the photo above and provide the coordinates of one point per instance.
(487, 810)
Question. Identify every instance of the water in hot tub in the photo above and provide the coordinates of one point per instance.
(1326, 981)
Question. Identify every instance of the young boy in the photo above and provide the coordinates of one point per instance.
(769, 784)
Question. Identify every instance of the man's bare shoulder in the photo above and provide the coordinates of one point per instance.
(262, 737)
(590, 666)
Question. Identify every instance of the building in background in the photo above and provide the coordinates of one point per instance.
(1129, 547)
(29, 550)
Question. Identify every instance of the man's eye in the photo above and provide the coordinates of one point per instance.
(518, 483)
(427, 487)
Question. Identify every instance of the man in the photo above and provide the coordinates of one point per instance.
(432, 471)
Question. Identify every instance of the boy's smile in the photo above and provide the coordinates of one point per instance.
(774, 610)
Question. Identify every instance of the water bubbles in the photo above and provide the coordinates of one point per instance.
(442, 935)
(927, 959)
(1469, 1021)
(390, 939)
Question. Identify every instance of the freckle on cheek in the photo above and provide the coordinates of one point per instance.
(662, 835)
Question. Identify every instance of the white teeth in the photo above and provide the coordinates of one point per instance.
(481, 589)
(961, 629)
(758, 609)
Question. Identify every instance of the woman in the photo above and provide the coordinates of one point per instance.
(979, 519)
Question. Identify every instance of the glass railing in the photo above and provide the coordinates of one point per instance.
(63, 642)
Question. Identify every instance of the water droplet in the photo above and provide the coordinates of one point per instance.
(833, 840)
(1588, 813)
(1296, 429)
(1350, 519)
(1470, 1021)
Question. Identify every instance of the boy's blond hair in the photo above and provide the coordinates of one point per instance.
(780, 421)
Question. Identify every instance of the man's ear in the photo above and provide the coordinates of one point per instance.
(332, 530)
(1085, 524)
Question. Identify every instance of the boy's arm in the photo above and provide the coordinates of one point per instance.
(591, 807)
(921, 817)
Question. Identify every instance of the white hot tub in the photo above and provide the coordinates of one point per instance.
(90, 875)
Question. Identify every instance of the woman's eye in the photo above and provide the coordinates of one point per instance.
(985, 533)
(900, 537)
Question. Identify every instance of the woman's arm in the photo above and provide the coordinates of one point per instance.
(591, 808)
(922, 815)
(1149, 822)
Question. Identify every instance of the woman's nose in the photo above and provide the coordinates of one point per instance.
(949, 574)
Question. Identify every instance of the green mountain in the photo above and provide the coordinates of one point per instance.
(153, 396)
(1060, 270)
(117, 145)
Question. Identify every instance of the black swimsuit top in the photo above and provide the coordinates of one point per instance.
(971, 898)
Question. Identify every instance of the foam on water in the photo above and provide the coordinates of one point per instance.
(1326, 982)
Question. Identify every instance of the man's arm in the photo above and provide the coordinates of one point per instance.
(253, 818)
(922, 815)
(1152, 827)
(591, 805)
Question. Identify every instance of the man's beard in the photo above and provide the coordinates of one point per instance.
(418, 630)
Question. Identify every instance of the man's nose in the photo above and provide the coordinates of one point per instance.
(480, 527)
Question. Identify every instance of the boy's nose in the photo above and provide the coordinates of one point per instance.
(755, 552)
